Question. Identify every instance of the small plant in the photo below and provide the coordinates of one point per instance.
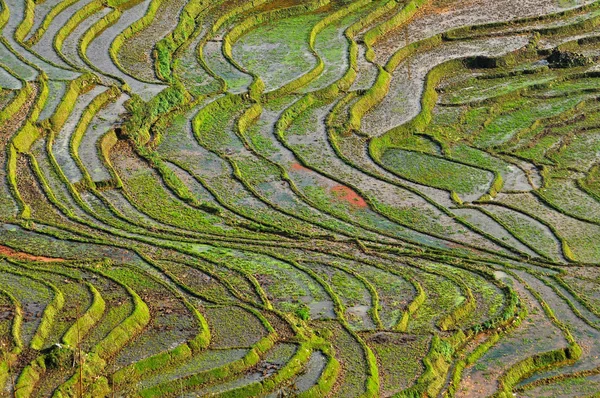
(303, 312)
(59, 357)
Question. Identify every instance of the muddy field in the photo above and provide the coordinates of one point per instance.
(364, 198)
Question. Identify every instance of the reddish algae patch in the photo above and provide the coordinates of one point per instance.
(346, 194)
(8, 252)
(299, 167)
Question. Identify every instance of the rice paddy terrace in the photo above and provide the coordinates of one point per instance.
(299, 198)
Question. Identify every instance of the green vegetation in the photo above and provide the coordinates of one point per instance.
(354, 198)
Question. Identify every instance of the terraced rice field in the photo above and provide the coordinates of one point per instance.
(314, 198)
